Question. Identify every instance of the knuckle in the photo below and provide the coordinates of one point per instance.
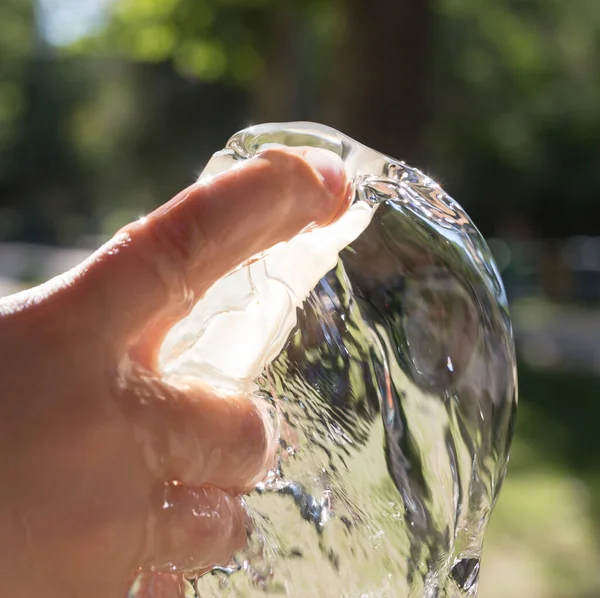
(259, 439)
(175, 240)
(169, 248)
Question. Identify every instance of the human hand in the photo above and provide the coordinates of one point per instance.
(107, 467)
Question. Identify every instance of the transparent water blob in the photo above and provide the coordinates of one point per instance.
(383, 344)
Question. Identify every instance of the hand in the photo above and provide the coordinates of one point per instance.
(106, 466)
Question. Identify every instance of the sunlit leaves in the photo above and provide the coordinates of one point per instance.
(145, 9)
(204, 59)
(16, 30)
(153, 43)
(205, 39)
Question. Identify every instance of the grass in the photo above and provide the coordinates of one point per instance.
(542, 538)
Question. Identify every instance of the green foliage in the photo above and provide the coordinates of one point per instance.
(206, 39)
(519, 102)
(16, 33)
(16, 46)
(516, 108)
(515, 91)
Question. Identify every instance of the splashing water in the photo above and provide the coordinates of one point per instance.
(384, 346)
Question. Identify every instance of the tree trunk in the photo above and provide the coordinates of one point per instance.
(275, 93)
(379, 91)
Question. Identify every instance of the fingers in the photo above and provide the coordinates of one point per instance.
(160, 585)
(158, 267)
(195, 530)
(192, 434)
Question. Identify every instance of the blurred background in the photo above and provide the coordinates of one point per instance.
(109, 107)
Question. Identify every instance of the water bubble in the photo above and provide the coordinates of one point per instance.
(466, 574)
(384, 344)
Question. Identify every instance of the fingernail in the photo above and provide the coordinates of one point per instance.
(329, 166)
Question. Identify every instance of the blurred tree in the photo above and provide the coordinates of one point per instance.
(17, 42)
(507, 94)
(294, 55)
(379, 91)
(517, 110)
(342, 61)
(268, 47)
(511, 102)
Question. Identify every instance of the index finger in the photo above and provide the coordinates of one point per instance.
(160, 266)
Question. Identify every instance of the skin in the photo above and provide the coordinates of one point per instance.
(107, 467)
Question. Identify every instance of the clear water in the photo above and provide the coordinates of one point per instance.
(384, 347)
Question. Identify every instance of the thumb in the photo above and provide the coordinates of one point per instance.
(154, 270)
